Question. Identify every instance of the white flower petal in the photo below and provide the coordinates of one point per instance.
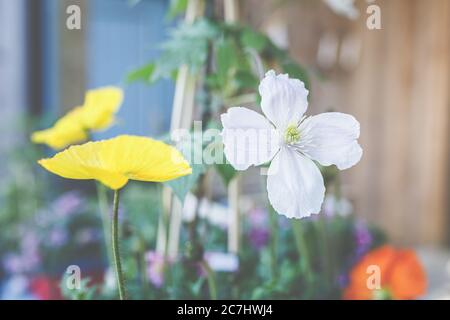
(283, 100)
(249, 138)
(294, 184)
(331, 138)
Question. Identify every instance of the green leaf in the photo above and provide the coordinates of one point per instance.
(226, 172)
(297, 71)
(176, 8)
(85, 292)
(254, 40)
(196, 287)
(142, 74)
(246, 80)
(183, 185)
(276, 53)
(188, 45)
(226, 60)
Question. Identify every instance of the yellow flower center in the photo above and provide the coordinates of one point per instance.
(292, 134)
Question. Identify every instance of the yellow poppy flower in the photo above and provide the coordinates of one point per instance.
(100, 107)
(67, 130)
(97, 113)
(115, 161)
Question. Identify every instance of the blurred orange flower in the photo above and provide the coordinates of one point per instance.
(401, 276)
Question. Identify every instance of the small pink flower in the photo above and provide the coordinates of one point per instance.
(155, 268)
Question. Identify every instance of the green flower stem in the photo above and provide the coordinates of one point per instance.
(164, 222)
(115, 247)
(273, 219)
(211, 280)
(325, 248)
(302, 248)
(331, 245)
(143, 264)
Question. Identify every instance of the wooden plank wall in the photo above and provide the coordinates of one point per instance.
(72, 44)
(399, 92)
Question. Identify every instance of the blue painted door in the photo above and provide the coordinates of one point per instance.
(120, 38)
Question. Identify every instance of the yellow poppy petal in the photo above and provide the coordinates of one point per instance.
(74, 118)
(114, 161)
(101, 106)
(66, 131)
(145, 159)
(97, 113)
(59, 137)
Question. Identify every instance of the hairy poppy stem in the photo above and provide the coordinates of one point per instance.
(115, 247)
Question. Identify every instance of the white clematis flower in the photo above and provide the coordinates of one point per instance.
(295, 185)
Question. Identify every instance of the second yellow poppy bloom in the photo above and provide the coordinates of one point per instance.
(97, 113)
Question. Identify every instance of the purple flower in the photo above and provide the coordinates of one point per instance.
(258, 217)
(259, 234)
(67, 204)
(363, 239)
(28, 258)
(30, 241)
(155, 268)
(57, 237)
(30, 251)
(13, 263)
(21, 263)
(32, 260)
(259, 237)
(87, 235)
(343, 280)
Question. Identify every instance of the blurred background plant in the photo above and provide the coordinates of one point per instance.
(42, 236)
(216, 58)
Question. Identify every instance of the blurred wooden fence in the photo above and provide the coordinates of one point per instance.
(396, 82)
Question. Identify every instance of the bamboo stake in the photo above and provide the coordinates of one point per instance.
(234, 222)
(182, 115)
(231, 13)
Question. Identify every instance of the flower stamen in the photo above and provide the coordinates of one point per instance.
(292, 134)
